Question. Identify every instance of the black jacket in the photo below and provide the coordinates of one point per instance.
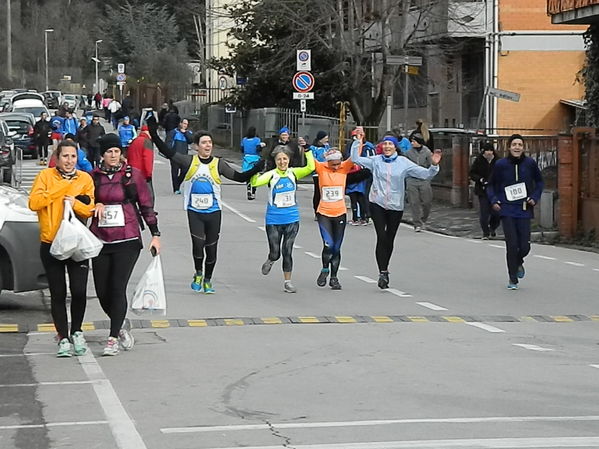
(91, 133)
(297, 158)
(480, 172)
(171, 121)
(42, 131)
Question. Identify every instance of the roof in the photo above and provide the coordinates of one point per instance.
(580, 104)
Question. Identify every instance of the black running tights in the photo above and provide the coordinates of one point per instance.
(386, 222)
(205, 230)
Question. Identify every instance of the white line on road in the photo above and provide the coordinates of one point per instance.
(66, 382)
(316, 256)
(595, 269)
(486, 327)
(296, 246)
(594, 366)
(440, 235)
(235, 211)
(27, 354)
(343, 269)
(532, 347)
(575, 264)
(381, 422)
(262, 228)
(473, 241)
(125, 434)
(543, 257)
(474, 443)
(497, 246)
(366, 279)
(53, 424)
(430, 305)
(398, 293)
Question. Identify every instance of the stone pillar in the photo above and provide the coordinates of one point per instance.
(567, 183)
(459, 182)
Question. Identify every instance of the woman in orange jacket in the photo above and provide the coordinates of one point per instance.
(51, 189)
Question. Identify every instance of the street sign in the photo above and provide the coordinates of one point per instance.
(303, 82)
(303, 95)
(241, 80)
(412, 70)
(222, 82)
(399, 59)
(121, 77)
(230, 109)
(120, 68)
(304, 60)
(503, 94)
(302, 105)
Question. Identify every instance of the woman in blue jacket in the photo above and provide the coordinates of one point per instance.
(251, 146)
(389, 173)
(514, 188)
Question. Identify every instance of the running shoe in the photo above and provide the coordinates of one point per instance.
(126, 339)
(485, 237)
(112, 347)
(493, 234)
(65, 348)
(177, 192)
(79, 343)
(521, 272)
(266, 266)
(512, 286)
(322, 277)
(208, 289)
(289, 287)
(383, 282)
(365, 222)
(196, 284)
(334, 284)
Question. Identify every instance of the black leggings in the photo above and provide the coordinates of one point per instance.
(205, 230)
(316, 195)
(42, 150)
(386, 222)
(55, 272)
(286, 233)
(112, 270)
(359, 206)
(332, 230)
(517, 243)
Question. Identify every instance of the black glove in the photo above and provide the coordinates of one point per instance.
(152, 123)
(85, 199)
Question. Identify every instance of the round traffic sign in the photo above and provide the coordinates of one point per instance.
(121, 77)
(303, 82)
(303, 56)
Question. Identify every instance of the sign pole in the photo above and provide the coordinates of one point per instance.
(482, 107)
(232, 115)
(405, 99)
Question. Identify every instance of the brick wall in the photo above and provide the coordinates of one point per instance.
(542, 79)
(528, 15)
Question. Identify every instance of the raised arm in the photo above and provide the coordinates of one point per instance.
(365, 162)
(230, 173)
(262, 179)
(301, 172)
(182, 159)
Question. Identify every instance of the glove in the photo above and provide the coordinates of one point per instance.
(152, 123)
(85, 199)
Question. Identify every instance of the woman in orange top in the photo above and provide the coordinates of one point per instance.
(330, 213)
(51, 188)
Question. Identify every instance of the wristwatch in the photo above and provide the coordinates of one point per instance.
(156, 234)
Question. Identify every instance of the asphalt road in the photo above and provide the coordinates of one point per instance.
(447, 358)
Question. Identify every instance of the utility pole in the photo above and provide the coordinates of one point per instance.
(8, 42)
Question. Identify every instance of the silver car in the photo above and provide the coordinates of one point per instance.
(21, 268)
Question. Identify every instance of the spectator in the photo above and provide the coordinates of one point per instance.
(178, 139)
(480, 172)
(420, 192)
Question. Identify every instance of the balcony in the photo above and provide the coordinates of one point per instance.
(573, 11)
(449, 19)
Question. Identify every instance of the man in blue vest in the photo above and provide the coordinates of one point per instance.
(179, 139)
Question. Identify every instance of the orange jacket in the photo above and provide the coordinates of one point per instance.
(47, 199)
(335, 179)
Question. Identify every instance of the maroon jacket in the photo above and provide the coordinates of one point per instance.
(137, 201)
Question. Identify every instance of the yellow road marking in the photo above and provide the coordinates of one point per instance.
(197, 323)
(46, 327)
(345, 319)
(271, 320)
(308, 319)
(454, 319)
(88, 327)
(562, 319)
(595, 317)
(234, 322)
(382, 319)
(160, 323)
(418, 319)
(9, 328)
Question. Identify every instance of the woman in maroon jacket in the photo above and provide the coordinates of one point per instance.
(122, 198)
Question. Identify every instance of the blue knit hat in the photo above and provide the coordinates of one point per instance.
(391, 139)
(284, 129)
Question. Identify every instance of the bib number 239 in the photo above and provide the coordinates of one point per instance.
(332, 194)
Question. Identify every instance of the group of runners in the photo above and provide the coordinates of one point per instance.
(116, 196)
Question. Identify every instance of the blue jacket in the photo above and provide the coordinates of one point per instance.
(70, 126)
(57, 123)
(82, 162)
(250, 146)
(509, 171)
(127, 134)
(389, 176)
(179, 140)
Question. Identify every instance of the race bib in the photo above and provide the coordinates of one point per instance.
(284, 199)
(516, 192)
(202, 201)
(113, 216)
(332, 194)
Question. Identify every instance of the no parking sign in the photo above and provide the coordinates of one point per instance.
(303, 82)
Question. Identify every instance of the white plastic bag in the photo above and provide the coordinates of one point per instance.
(149, 295)
(67, 238)
(89, 245)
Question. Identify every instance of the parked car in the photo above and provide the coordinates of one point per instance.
(7, 153)
(71, 100)
(52, 98)
(22, 123)
(21, 268)
(34, 107)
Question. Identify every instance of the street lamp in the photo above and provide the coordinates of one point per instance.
(49, 30)
(96, 60)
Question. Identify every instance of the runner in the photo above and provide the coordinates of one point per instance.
(202, 198)
(389, 172)
(330, 213)
(514, 188)
(251, 146)
(282, 213)
(122, 197)
(480, 171)
(51, 188)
